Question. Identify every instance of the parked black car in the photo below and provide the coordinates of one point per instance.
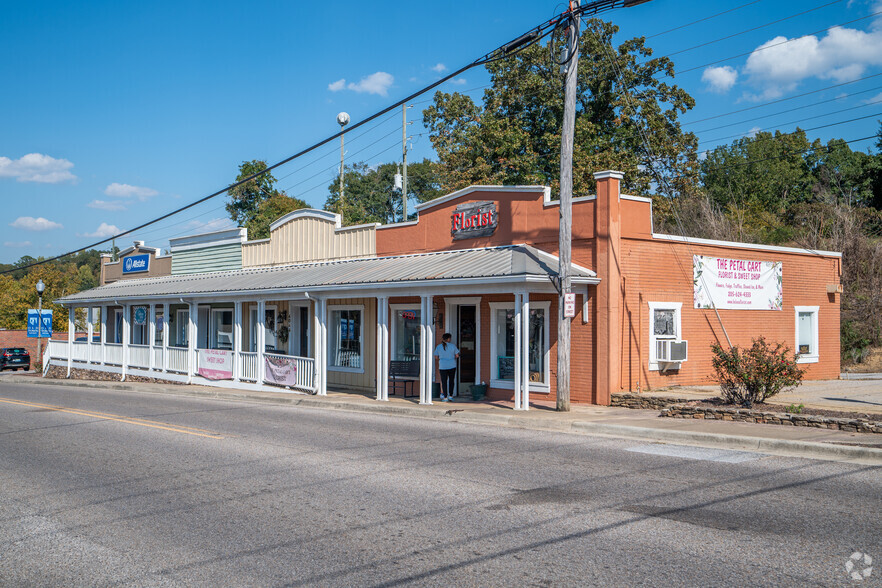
(15, 358)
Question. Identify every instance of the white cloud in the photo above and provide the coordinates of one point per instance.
(215, 224)
(843, 54)
(458, 81)
(719, 79)
(338, 85)
(376, 83)
(753, 131)
(16, 243)
(128, 191)
(107, 205)
(439, 68)
(875, 99)
(103, 230)
(30, 223)
(36, 167)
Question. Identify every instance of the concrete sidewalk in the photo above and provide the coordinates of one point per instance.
(585, 419)
(853, 395)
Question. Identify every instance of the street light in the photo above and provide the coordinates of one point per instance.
(40, 288)
(342, 120)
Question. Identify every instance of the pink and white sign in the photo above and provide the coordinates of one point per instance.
(737, 283)
(280, 370)
(216, 364)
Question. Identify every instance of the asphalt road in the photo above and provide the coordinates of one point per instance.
(103, 488)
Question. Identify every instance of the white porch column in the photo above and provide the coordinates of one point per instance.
(125, 340)
(151, 335)
(427, 361)
(104, 334)
(237, 339)
(70, 336)
(261, 340)
(525, 351)
(321, 346)
(191, 340)
(90, 329)
(382, 348)
(165, 333)
(518, 348)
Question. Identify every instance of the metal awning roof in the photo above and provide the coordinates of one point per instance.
(508, 264)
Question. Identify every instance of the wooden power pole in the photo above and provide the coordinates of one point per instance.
(565, 233)
(404, 157)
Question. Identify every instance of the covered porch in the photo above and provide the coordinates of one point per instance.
(333, 325)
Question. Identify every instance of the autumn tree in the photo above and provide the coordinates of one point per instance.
(257, 203)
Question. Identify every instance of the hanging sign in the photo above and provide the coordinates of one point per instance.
(280, 370)
(569, 304)
(737, 283)
(140, 315)
(474, 219)
(216, 364)
(34, 323)
(134, 264)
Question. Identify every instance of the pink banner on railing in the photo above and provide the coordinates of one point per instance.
(281, 370)
(216, 364)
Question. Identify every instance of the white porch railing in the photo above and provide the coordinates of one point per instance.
(305, 370)
(80, 351)
(248, 366)
(177, 359)
(56, 349)
(157, 358)
(114, 353)
(139, 356)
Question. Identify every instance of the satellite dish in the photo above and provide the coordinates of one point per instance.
(343, 119)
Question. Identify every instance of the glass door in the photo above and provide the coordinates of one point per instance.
(466, 341)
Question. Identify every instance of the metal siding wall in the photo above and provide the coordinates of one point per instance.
(309, 239)
(207, 259)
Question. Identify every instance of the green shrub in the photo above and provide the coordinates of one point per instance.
(795, 408)
(754, 374)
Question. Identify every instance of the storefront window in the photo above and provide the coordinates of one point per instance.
(503, 318)
(160, 318)
(406, 334)
(345, 338)
(664, 325)
(221, 329)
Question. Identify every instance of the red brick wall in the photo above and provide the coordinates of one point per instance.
(661, 271)
(19, 338)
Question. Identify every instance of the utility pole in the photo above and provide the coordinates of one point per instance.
(404, 157)
(565, 233)
(342, 120)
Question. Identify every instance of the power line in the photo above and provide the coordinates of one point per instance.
(694, 22)
(809, 129)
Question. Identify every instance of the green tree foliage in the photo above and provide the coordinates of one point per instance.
(370, 195)
(513, 137)
(257, 203)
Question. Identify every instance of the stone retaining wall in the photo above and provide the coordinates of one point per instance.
(772, 418)
(644, 402)
(60, 372)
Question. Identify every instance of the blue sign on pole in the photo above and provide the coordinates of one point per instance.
(136, 263)
(33, 323)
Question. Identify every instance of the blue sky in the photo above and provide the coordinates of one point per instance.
(114, 113)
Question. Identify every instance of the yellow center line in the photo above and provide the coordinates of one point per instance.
(119, 418)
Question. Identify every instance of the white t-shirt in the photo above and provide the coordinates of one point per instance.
(447, 356)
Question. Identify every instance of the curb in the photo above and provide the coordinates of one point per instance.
(780, 447)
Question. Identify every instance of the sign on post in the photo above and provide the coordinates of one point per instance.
(34, 322)
(569, 305)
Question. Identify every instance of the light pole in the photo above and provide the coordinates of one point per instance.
(40, 288)
(342, 120)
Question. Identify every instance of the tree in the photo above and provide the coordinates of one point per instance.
(514, 136)
(245, 199)
(270, 210)
(370, 195)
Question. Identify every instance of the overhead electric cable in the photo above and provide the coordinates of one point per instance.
(700, 20)
(796, 131)
(508, 49)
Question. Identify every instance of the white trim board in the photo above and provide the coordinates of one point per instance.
(735, 244)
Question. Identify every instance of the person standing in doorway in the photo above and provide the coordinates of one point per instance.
(447, 354)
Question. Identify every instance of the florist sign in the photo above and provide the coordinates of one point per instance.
(737, 283)
(474, 219)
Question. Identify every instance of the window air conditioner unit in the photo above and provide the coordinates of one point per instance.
(671, 351)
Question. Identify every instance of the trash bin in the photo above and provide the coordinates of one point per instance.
(479, 391)
(436, 389)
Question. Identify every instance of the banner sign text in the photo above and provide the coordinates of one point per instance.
(737, 283)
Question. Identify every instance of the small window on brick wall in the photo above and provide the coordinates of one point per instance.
(664, 324)
(807, 334)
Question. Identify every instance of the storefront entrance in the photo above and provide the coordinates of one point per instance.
(466, 341)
